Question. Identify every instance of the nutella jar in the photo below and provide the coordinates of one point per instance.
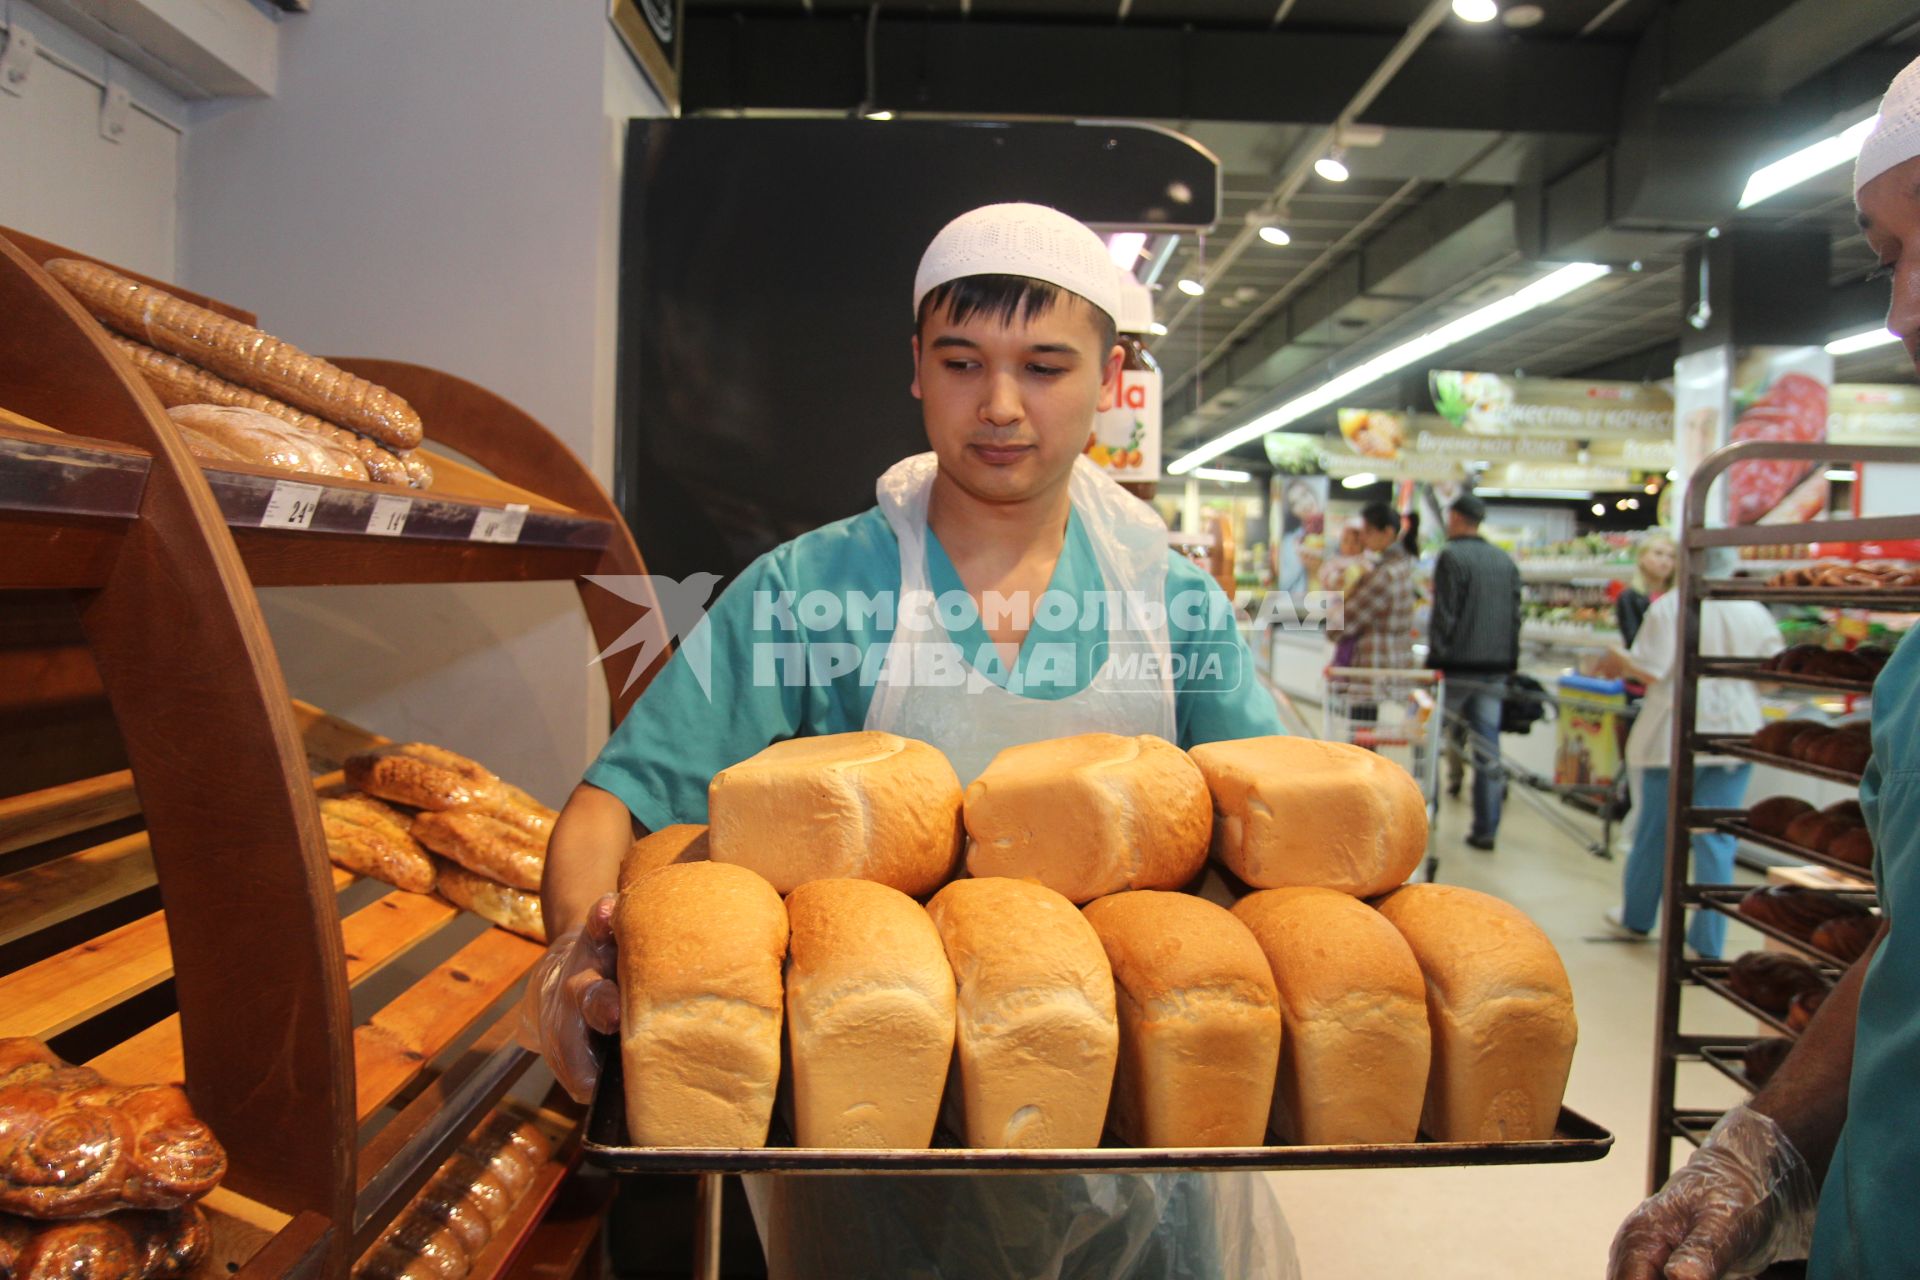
(1126, 438)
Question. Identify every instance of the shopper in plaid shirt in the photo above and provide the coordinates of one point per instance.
(1379, 610)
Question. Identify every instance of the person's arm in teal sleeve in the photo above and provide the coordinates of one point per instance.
(1218, 694)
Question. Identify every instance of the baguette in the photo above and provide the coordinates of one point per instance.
(264, 440)
(369, 838)
(514, 910)
(239, 352)
(422, 775)
(485, 845)
(176, 383)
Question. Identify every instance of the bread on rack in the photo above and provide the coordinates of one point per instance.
(1846, 938)
(1854, 845)
(371, 838)
(870, 1016)
(516, 910)
(217, 434)
(1299, 811)
(1036, 1033)
(1802, 1007)
(176, 382)
(681, 842)
(1090, 815)
(1777, 739)
(700, 946)
(418, 1247)
(74, 1145)
(422, 775)
(501, 850)
(1772, 816)
(1357, 1047)
(152, 1244)
(1199, 1021)
(1500, 1009)
(1817, 830)
(865, 805)
(1770, 980)
(1796, 911)
(238, 352)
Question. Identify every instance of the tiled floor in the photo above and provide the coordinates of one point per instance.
(1540, 1221)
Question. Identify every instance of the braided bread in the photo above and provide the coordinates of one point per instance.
(239, 352)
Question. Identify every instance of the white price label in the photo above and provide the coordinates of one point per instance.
(500, 526)
(389, 517)
(291, 506)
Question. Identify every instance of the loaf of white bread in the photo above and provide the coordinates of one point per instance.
(870, 1016)
(1199, 1022)
(700, 947)
(1090, 815)
(1500, 1010)
(1353, 1064)
(681, 842)
(1036, 1036)
(864, 806)
(1298, 811)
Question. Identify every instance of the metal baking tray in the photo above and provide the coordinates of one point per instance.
(1575, 1139)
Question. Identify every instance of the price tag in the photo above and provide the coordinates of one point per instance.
(499, 526)
(291, 506)
(389, 517)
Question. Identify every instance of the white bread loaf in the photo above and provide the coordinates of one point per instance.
(1501, 1012)
(1298, 811)
(1199, 1022)
(1090, 815)
(681, 842)
(1353, 1065)
(863, 806)
(870, 1009)
(701, 946)
(1036, 1036)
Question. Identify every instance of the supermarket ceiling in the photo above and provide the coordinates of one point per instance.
(1615, 131)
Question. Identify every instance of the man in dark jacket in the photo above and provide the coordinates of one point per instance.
(1476, 640)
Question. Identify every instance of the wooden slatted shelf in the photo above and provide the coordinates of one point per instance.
(58, 811)
(40, 896)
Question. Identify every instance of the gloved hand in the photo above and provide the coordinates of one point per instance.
(1745, 1201)
(571, 992)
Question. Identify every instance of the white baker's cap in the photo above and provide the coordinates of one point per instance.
(1021, 240)
(1895, 138)
(1136, 305)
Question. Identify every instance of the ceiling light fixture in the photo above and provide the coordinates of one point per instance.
(1599, 510)
(1333, 165)
(1125, 247)
(1865, 340)
(1191, 287)
(1808, 162)
(1548, 288)
(1223, 473)
(1275, 235)
(1157, 329)
(1359, 480)
(1475, 10)
(1560, 495)
(880, 115)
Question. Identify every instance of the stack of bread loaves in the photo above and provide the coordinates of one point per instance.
(405, 803)
(97, 1181)
(1154, 1016)
(447, 1226)
(237, 383)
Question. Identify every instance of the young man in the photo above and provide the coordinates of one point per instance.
(1841, 1115)
(1026, 548)
(1476, 641)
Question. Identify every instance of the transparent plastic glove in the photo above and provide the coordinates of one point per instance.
(1745, 1201)
(571, 993)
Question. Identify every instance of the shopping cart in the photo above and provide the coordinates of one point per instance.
(1397, 713)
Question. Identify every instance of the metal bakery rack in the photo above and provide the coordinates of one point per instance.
(167, 908)
(1676, 1047)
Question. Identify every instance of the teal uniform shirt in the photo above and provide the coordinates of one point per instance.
(1863, 1231)
(793, 643)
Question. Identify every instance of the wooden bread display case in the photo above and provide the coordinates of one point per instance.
(167, 908)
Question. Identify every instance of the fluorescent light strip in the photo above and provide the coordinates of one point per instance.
(1576, 495)
(1360, 480)
(1838, 474)
(1548, 288)
(1808, 162)
(1865, 340)
(1222, 473)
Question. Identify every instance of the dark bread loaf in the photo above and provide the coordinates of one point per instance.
(1795, 911)
(1805, 1005)
(1772, 816)
(1816, 830)
(1846, 937)
(1854, 845)
(1770, 980)
(1777, 738)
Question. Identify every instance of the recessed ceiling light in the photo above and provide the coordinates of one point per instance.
(1276, 236)
(1332, 166)
(1475, 10)
(1191, 287)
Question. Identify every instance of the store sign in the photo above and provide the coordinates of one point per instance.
(1126, 438)
(1399, 437)
(1873, 413)
(1572, 476)
(1492, 403)
(1406, 467)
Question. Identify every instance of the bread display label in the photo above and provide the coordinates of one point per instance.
(291, 505)
(388, 519)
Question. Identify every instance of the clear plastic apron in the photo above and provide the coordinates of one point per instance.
(1162, 1226)
(971, 718)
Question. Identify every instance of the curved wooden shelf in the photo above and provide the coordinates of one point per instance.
(164, 556)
